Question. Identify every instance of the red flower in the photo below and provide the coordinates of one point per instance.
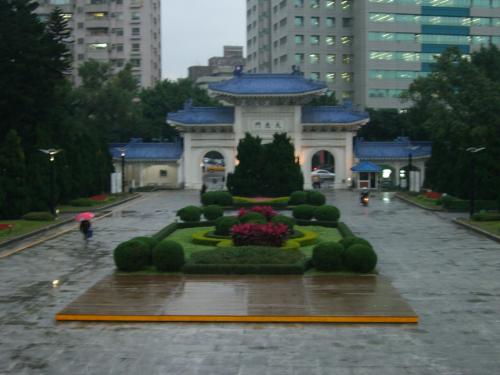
(269, 234)
(100, 197)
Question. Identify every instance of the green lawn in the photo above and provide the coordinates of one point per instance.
(22, 227)
(426, 202)
(492, 227)
(184, 237)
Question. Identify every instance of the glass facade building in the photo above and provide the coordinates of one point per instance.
(367, 51)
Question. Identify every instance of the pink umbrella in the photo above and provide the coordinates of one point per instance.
(84, 216)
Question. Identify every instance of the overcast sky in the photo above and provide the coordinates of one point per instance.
(195, 30)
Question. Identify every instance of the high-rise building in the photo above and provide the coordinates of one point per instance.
(367, 51)
(115, 31)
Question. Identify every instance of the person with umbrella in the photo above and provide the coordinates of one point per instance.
(85, 225)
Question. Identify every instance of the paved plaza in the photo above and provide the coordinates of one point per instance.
(449, 275)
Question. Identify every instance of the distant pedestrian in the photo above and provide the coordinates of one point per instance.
(86, 229)
(203, 190)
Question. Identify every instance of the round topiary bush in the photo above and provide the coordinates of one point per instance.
(131, 255)
(224, 224)
(213, 212)
(349, 241)
(315, 198)
(190, 213)
(360, 258)
(303, 212)
(298, 197)
(282, 219)
(327, 256)
(151, 243)
(168, 256)
(221, 198)
(253, 217)
(327, 213)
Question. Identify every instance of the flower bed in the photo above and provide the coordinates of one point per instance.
(269, 234)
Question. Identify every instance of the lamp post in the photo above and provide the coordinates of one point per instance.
(52, 152)
(122, 155)
(473, 150)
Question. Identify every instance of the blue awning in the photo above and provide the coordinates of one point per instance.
(366, 166)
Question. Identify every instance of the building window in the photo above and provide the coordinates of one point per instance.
(163, 173)
(135, 63)
(117, 31)
(346, 40)
(136, 47)
(298, 3)
(346, 4)
(97, 16)
(136, 31)
(314, 76)
(135, 16)
(347, 22)
(314, 40)
(97, 46)
(299, 58)
(283, 22)
(330, 77)
(330, 3)
(299, 21)
(313, 58)
(299, 39)
(314, 4)
(118, 47)
(283, 41)
(347, 59)
(283, 59)
(315, 21)
(330, 58)
(97, 31)
(330, 40)
(330, 22)
(347, 77)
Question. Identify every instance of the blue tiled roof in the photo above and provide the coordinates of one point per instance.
(147, 151)
(366, 166)
(203, 115)
(330, 114)
(400, 148)
(267, 84)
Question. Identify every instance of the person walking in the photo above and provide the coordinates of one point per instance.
(86, 229)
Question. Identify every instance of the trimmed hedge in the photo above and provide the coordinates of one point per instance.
(344, 230)
(298, 197)
(282, 219)
(303, 212)
(315, 198)
(38, 216)
(168, 256)
(202, 238)
(83, 202)
(360, 258)
(327, 256)
(486, 216)
(131, 255)
(253, 217)
(224, 224)
(150, 243)
(220, 198)
(327, 224)
(213, 212)
(165, 232)
(244, 269)
(190, 214)
(327, 213)
(455, 204)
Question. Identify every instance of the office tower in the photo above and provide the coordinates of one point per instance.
(367, 51)
(116, 31)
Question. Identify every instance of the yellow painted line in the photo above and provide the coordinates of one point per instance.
(240, 319)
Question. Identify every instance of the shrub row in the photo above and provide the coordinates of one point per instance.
(351, 253)
(312, 197)
(83, 202)
(141, 252)
(322, 213)
(220, 198)
(455, 204)
(486, 216)
(38, 216)
(192, 214)
(244, 269)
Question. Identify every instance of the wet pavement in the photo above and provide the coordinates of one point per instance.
(449, 275)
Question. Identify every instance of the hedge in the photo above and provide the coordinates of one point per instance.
(220, 198)
(282, 219)
(486, 216)
(303, 212)
(168, 256)
(38, 216)
(132, 255)
(455, 204)
(224, 224)
(298, 197)
(315, 198)
(360, 258)
(213, 212)
(244, 269)
(327, 256)
(190, 214)
(344, 230)
(165, 232)
(321, 223)
(84, 202)
(253, 217)
(327, 213)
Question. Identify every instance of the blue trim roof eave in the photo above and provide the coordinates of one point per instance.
(366, 166)
(202, 116)
(272, 94)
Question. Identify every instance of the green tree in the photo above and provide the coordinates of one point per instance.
(13, 177)
(327, 99)
(458, 105)
(164, 97)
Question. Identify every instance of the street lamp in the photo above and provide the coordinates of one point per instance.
(122, 155)
(473, 150)
(52, 152)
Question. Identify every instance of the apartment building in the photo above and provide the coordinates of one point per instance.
(115, 31)
(367, 51)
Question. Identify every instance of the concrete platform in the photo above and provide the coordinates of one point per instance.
(251, 298)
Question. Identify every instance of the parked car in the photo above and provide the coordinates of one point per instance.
(323, 174)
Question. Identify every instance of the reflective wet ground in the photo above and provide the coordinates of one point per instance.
(449, 276)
